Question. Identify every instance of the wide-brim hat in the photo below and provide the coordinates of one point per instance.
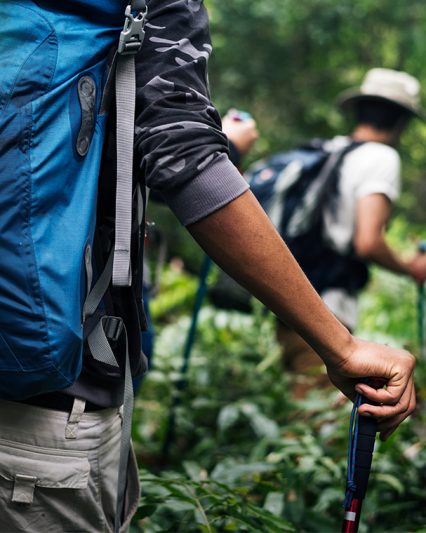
(387, 85)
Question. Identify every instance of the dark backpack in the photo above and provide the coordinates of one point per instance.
(293, 188)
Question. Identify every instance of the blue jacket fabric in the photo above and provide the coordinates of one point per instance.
(48, 190)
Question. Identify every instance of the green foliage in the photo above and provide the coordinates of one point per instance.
(177, 294)
(201, 503)
(246, 457)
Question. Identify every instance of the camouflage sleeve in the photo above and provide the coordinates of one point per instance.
(179, 143)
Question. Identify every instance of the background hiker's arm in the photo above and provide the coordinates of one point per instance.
(241, 240)
(373, 212)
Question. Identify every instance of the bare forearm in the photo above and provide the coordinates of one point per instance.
(373, 213)
(382, 255)
(241, 240)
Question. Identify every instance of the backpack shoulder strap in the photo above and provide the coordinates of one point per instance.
(118, 265)
(329, 174)
(312, 203)
(131, 39)
(334, 160)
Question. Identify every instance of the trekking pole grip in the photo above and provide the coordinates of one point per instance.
(367, 429)
(360, 456)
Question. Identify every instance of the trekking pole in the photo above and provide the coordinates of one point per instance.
(182, 382)
(362, 434)
(421, 308)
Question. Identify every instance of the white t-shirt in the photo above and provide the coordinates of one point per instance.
(369, 169)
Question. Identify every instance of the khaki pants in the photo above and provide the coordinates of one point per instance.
(59, 473)
(301, 361)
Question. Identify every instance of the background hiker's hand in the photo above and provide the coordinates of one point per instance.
(418, 268)
(367, 359)
(243, 133)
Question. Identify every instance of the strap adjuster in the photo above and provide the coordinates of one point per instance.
(113, 326)
(133, 33)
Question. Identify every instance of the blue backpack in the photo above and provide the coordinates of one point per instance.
(293, 188)
(58, 75)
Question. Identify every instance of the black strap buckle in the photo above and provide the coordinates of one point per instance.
(113, 327)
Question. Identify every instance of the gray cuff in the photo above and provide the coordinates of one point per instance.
(213, 188)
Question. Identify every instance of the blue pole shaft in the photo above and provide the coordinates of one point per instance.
(199, 298)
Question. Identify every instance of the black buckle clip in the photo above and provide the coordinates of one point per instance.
(113, 326)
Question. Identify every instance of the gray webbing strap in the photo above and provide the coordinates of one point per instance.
(97, 293)
(125, 86)
(101, 351)
(126, 432)
(118, 266)
(131, 40)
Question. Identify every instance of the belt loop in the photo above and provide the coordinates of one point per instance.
(23, 489)
(77, 412)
